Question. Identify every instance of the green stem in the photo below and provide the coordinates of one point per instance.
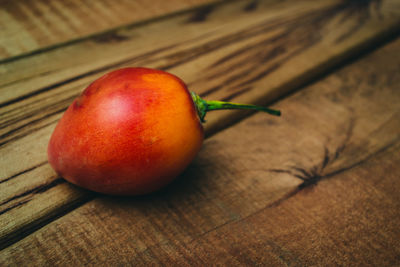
(203, 106)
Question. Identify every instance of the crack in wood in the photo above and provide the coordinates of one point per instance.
(359, 9)
(15, 236)
(98, 35)
(201, 14)
(315, 174)
(309, 179)
(36, 190)
(251, 6)
(282, 41)
(22, 172)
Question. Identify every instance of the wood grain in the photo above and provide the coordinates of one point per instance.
(318, 186)
(237, 51)
(29, 26)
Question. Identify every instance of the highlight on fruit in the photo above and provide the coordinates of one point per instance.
(131, 132)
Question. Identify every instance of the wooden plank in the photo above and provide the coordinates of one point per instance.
(351, 220)
(30, 26)
(225, 27)
(317, 186)
(229, 52)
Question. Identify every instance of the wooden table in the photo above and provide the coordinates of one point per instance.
(319, 186)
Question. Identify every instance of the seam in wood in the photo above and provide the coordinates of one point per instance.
(27, 230)
(36, 190)
(22, 172)
(110, 31)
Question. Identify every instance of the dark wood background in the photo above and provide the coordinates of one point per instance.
(319, 186)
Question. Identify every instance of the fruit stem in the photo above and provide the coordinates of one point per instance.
(203, 106)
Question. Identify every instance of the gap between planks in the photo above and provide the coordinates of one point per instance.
(62, 23)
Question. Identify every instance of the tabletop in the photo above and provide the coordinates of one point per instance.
(318, 186)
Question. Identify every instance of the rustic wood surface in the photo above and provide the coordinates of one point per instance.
(319, 186)
(30, 26)
(251, 194)
(237, 51)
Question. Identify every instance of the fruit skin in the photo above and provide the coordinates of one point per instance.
(131, 132)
